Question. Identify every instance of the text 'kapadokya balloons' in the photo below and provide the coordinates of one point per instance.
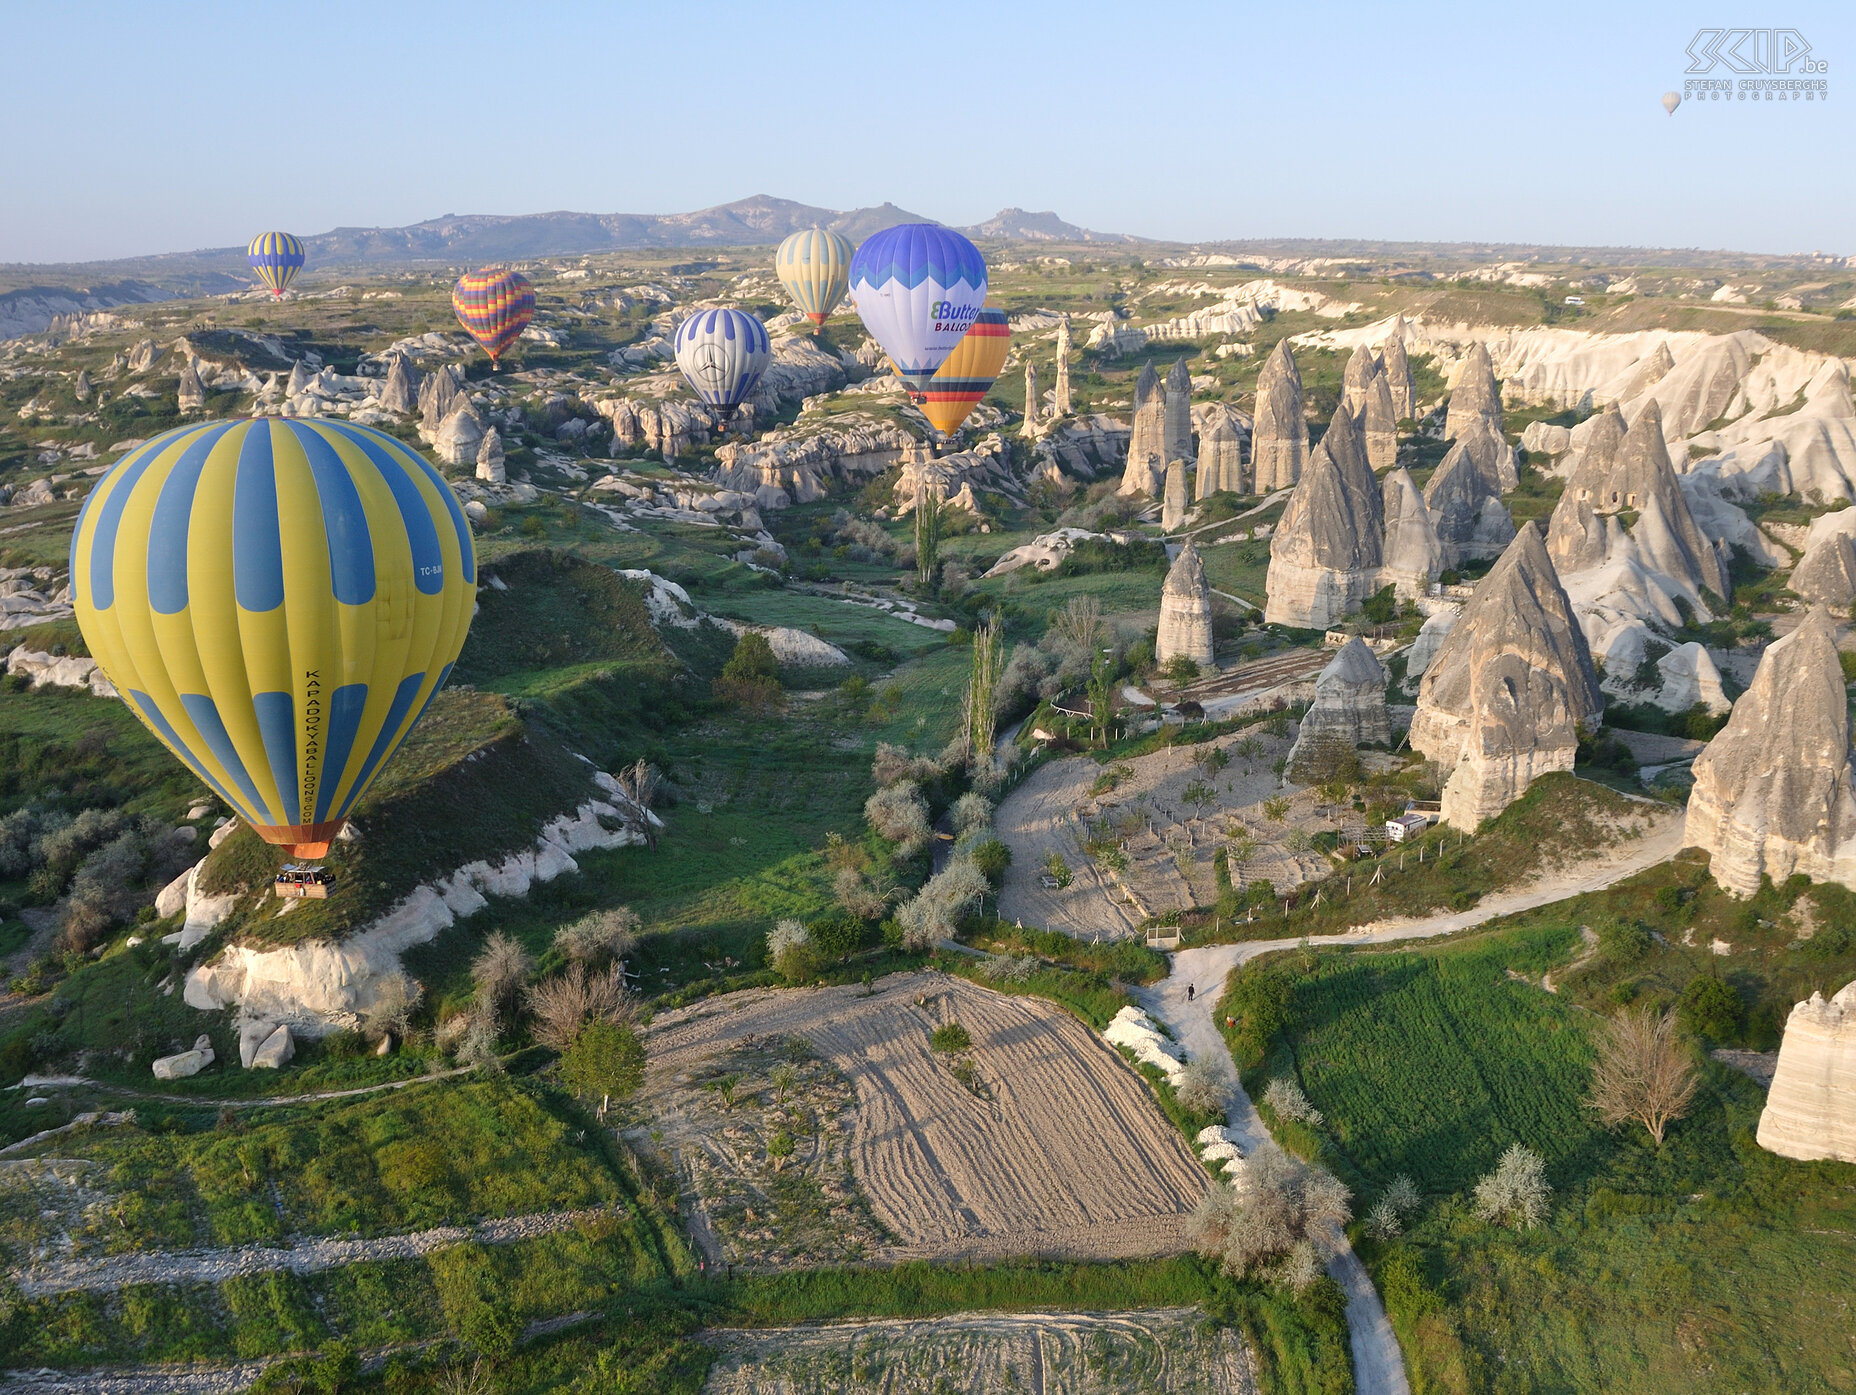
(493, 306)
(722, 354)
(815, 268)
(277, 600)
(276, 257)
(918, 288)
(967, 374)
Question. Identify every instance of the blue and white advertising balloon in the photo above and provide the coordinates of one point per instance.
(918, 289)
(722, 354)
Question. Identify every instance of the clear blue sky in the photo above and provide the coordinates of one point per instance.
(136, 128)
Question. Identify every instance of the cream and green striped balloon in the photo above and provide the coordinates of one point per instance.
(815, 268)
(277, 600)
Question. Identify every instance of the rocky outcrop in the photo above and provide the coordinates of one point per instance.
(185, 1063)
(1414, 555)
(1826, 574)
(1379, 425)
(1186, 611)
(400, 392)
(1147, 459)
(1030, 428)
(1471, 520)
(669, 428)
(1349, 710)
(436, 396)
(192, 392)
(460, 434)
(81, 388)
(1060, 387)
(1431, 635)
(1362, 368)
(1326, 552)
(1687, 676)
(1173, 503)
(1477, 397)
(1220, 459)
(491, 468)
(45, 670)
(1772, 793)
(1177, 441)
(1501, 703)
(795, 466)
(1810, 1108)
(1279, 435)
(1399, 381)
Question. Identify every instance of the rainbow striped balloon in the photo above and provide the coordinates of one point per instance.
(276, 257)
(815, 267)
(493, 306)
(967, 374)
(277, 600)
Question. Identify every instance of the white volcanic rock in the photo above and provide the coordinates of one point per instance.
(1177, 436)
(59, 671)
(1173, 504)
(1414, 555)
(1772, 793)
(1545, 439)
(1326, 552)
(437, 394)
(81, 388)
(1430, 639)
(1379, 424)
(1045, 552)
(1690, 676)
(1060, 389)
(1466, 507)
(668, 427)
(1186, 611)
(1030, 428)
(800, 648)
(1399, 380)
(400, 392)
(460, 434)
(1827, 573)
(1361, 369)
(790, 467)
(1220, 460)
(1810, 1108)
(1279, 435)
(1501, 702)
(1476, 398)
(1349, 707)
(491, 467)
(276, 1050)
(185, 1063)
(1143, 476)
(192, 392)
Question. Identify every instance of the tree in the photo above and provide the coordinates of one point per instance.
(639, 782)
(791, 952)
(980, 714)
(500, 969)
(599, 935)
(1199, 1088)
(750, 679)
(1200, 795)
(606, 1058)
(564, 1004)
(1515, 1194)
(1711, 1009)
(1643, 1072)
(1101, 698)
(1079, 622)
(1287, 1211)
(928, 509)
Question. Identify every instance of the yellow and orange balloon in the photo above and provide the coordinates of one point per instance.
(967, 374)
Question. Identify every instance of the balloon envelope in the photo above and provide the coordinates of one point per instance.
(722, 354)
(493, 306)
(276, 257)
(918, 288)
(1671, 100)
(277, 600)
(967, 374)
(815, 268)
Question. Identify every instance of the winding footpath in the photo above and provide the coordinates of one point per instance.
(1378, 1366)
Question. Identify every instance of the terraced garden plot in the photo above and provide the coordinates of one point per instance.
(1170, 1351)
(1051, 1146)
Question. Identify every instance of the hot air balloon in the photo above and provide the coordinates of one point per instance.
(277, 600)
(918, 288)
(276, 257)
(1671, 100)
(966, 375)
(815, 268)
(723, 353)
(493, 306)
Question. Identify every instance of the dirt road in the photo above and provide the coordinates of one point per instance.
(1378, 1367)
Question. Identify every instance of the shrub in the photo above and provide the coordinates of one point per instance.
(1515, 1194)
(950, 1037)
(1288, 1212)
(934, 914)
(599, 935)
(1285, 1097)
(791, 952)
(1006, 968)
(1199, 1088)
(750, 680)
(1622, 942)
(396, 998)
(900, 814)
(836, 936)
(970, 813)
(992, 858)
(499, 970)
(606, 1058)
(565, 1003)
(1181, 668)
(1709, 1008)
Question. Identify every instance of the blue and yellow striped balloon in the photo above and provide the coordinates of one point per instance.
(277, 600)
(815, 267)
(276, 257)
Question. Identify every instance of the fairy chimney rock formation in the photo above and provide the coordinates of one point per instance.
(1826, 574)
(1326, 551)
(1772, 793)
(1414, 555)
(1362, 368)
(192, 390)
(1478, 396)
(1147, 441)
(1060, 389)
(1279, 435)
(400, 393)
(1471, 520)
(1220, 463)
(490, 467)
(1349, 709)
(460, 434)
(1185, 612)
(1173, 506)
(1810, 1111)
(1177, 444)
(1030, 427)
(82, 387)
(436, 396)
(1399, 381)
(1502, 702)
(1379, 425)
(1628, 475)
